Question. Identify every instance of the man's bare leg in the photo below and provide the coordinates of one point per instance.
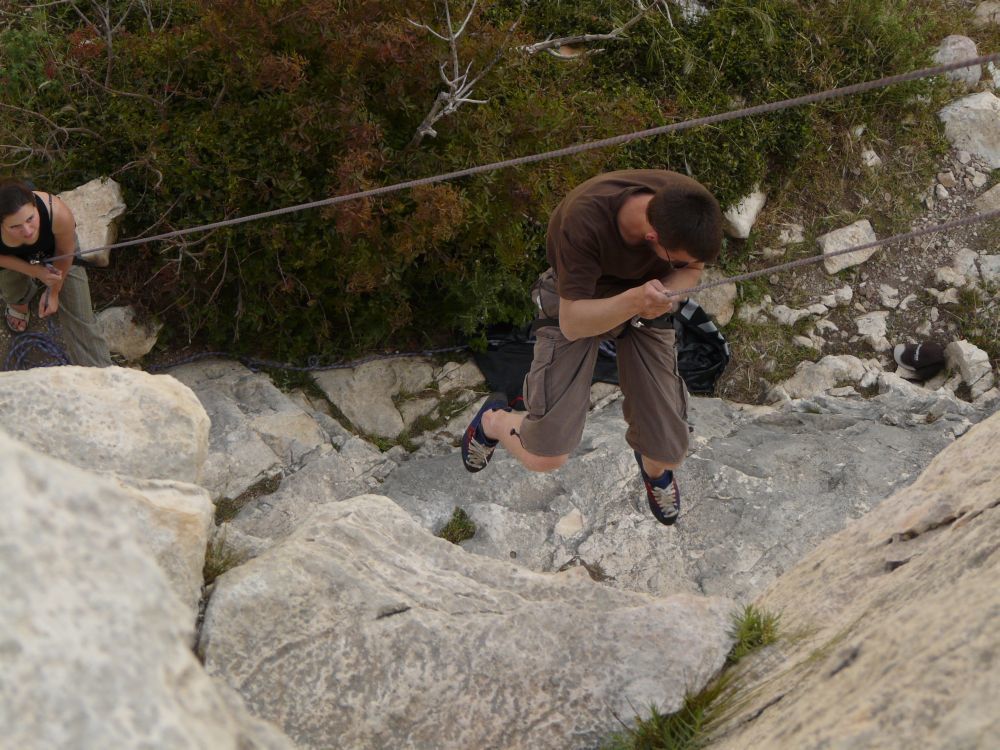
(656, 468)
(505, 426)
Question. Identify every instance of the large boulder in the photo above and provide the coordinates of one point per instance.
(108, 419)
(97, 207)
(368, 632)
(972, 123)
(257, 431)
(892, 623)
(94, 644)
(125, 335)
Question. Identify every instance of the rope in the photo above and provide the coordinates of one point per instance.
(26, 344)
(761, 109)
(782, 267)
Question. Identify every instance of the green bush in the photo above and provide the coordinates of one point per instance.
(234, 107)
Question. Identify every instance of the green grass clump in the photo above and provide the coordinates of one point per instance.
(220, 557)
(459, 528)
(689, 728)
(753, 629)
(684, 730)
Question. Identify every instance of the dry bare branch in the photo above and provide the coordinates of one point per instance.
(553, 46)
(458, 85)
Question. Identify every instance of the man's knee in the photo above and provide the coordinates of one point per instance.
(543, 463)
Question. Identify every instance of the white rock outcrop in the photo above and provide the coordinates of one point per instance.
(125, 335)
(972, 123)
(738, 220)
(858, 233)
(719, 301)
(98, 206)
(257, 431)
(987, 13)
(95, 644)
(368, 632)
(956, 48)
(108, 419)
(900, 612)
(988, 201)
(813, 378)
(973, 363)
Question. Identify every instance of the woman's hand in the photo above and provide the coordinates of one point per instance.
(49, 275)
(49, 303)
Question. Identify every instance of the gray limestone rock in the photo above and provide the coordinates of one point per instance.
(973, 123)
(739, 219)
(352, 470)
(720, 301)
(95, 645)
(896, 623)
(125, 335)
(987, 13)
(988, 201)
(858, 233)
(108, 419)
(368, 632)
(257, 431)
(97, 206)
(760, 486)
(956, 48)
(973, 363)
(365, 394)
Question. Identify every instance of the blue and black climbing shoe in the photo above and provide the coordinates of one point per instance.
(663, 495)
(477, 449)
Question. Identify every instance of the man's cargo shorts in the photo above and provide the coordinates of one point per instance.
(557, 389)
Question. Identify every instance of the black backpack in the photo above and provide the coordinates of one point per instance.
(702, 354)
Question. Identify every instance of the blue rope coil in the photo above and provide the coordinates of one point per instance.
(40, 348)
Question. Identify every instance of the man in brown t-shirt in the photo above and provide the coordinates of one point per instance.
(616, 245)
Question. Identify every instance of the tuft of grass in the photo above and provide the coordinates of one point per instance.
(753, 629)
(687, 729)
(220, 557)
(459, 528)
(690, 728)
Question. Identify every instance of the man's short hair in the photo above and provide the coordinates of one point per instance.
(687, 217)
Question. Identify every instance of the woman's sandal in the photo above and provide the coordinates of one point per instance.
(16, 315)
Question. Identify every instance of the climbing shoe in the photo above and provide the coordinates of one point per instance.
(477, 449)
(663, 495)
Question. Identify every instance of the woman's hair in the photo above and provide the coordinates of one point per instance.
(14, 195)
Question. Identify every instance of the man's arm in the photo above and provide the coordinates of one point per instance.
(683, 278)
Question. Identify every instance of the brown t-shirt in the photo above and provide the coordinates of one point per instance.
(584, 246)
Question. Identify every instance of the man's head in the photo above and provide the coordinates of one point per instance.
(17, 210)
(687, 218)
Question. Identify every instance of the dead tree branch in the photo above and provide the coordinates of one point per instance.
(553, 46)
(458, 82)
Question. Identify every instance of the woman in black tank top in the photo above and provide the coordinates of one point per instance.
(27, 236)
(38, 244)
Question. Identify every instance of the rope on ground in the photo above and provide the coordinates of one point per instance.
(35, 346)
(761, 109)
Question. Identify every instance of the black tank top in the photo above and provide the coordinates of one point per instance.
(44, 246)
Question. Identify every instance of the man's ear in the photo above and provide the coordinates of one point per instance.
(652, 236)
